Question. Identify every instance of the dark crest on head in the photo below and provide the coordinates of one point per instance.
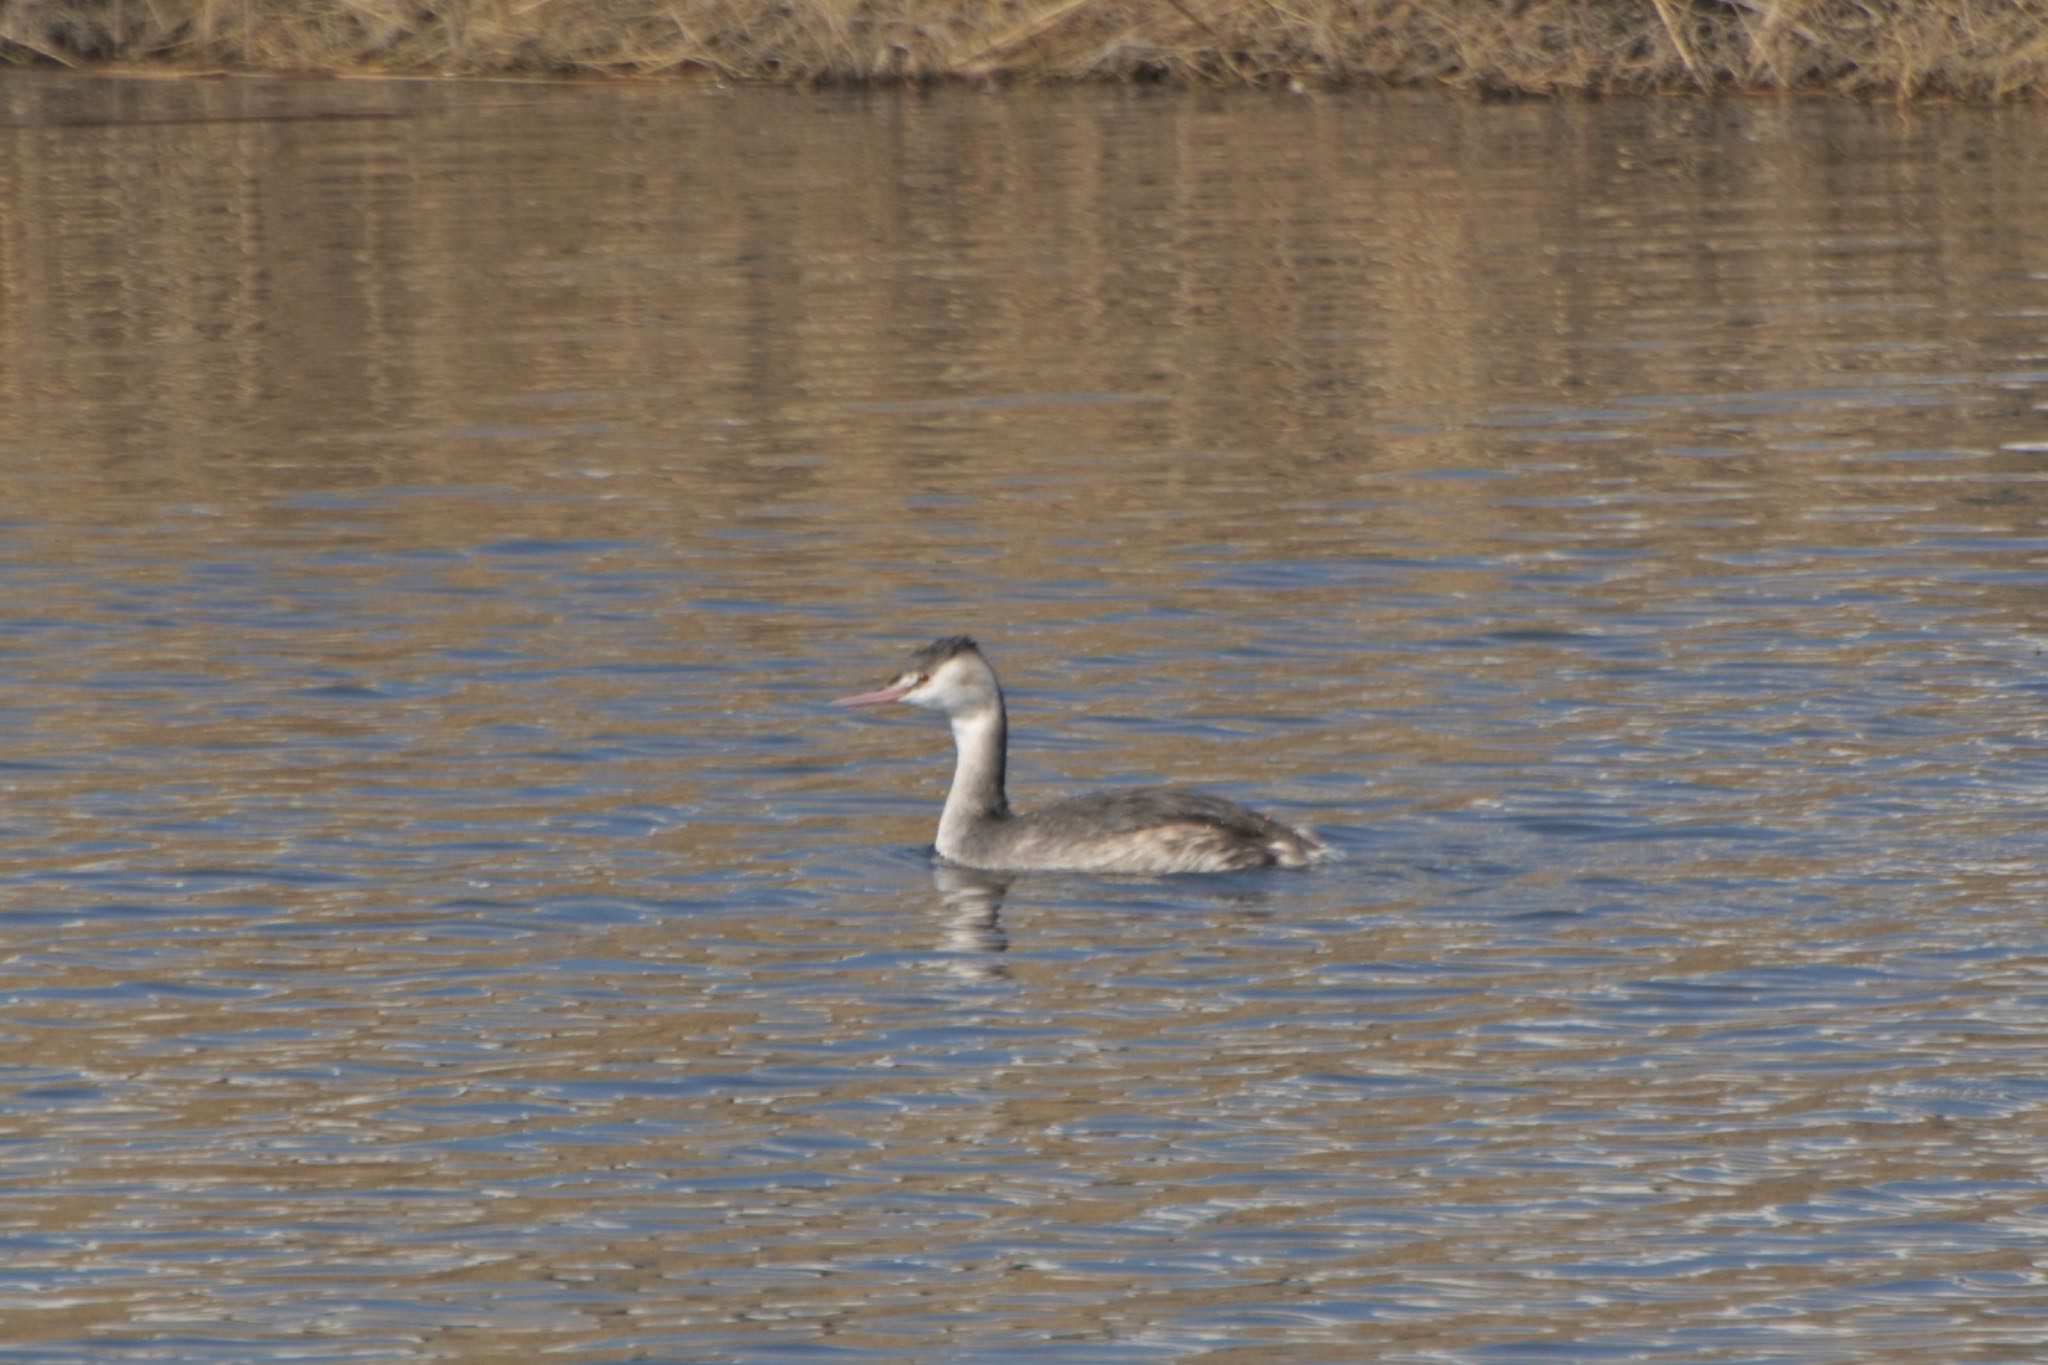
(938, 651)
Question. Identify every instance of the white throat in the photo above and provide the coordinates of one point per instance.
(976, 796)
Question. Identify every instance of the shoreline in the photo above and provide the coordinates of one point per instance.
(1987, 50)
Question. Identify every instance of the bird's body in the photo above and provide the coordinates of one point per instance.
(1124, 829)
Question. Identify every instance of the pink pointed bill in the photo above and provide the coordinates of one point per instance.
(894, 692)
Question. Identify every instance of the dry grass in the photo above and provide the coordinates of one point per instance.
(1969, 48)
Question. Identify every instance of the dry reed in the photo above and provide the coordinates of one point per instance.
(1966, 48)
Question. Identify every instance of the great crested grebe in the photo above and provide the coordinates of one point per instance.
(1125, 829)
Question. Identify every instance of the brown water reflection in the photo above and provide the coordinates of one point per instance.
(441, 919)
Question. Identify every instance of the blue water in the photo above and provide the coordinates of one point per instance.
(443, 920)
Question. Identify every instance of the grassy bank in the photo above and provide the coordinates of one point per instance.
(1967, 48)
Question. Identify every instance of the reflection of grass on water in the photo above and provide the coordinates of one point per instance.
(1882, 47)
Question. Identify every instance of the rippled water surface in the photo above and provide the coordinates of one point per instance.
(442, 919)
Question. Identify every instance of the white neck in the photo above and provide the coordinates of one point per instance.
(979, 738)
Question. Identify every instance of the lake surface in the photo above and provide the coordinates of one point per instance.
(440, 918)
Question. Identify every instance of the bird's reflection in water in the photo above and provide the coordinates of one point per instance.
(974, 938)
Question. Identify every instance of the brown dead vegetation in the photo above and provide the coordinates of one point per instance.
(1964, 48)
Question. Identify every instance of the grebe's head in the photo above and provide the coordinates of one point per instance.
(947, 675)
